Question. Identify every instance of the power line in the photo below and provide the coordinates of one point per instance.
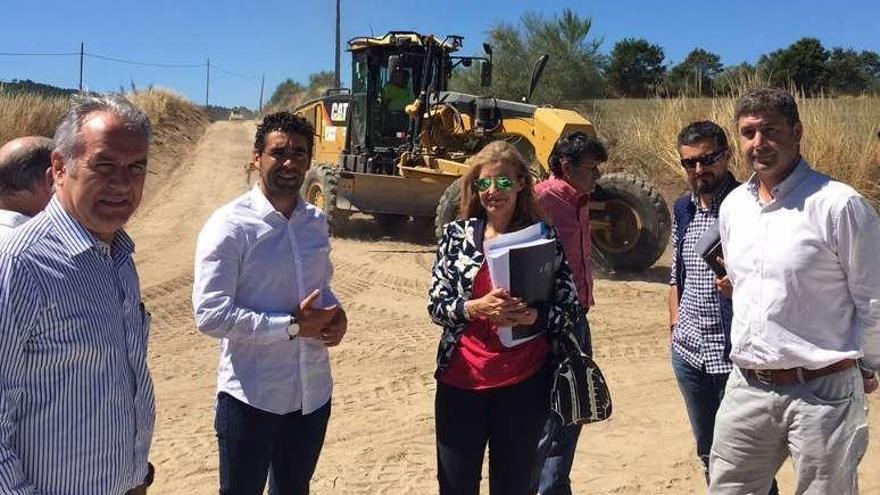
(82, 54)
(11, 54)
(231, 73)
(144, 64)
(133, 62)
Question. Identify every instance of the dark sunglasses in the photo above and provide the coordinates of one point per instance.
(501, 183)
(706, 160)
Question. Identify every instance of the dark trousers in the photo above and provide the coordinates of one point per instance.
(251, 441)
(509, 419)
(702, 393)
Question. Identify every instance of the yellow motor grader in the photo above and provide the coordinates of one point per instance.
(397, 162)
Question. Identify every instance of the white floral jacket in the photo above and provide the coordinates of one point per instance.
(459, 258)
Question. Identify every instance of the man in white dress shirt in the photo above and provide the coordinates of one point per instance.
(25, 185)
(262, 286)
(801, 251)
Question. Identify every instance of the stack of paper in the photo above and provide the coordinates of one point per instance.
(523, 262)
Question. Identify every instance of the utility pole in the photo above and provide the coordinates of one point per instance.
(262, 83)
(82, 49)
(207, 81)
(337, 75)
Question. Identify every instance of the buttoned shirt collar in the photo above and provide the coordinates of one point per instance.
(800, 172)
(266, 210)
(78, 239)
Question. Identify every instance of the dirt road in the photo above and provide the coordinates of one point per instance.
(380, 439)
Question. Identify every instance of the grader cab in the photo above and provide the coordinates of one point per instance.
(396, 143)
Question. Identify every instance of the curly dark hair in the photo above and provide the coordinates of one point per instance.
(574, 147)
(287, 123)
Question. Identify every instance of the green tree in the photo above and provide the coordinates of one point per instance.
(636, 68)
(871, 66)
(572, 73)
(696, 74)
(286, 92)
(804, 64)
(736, 78)
(319, 82)
(291, 93)
(847, 73)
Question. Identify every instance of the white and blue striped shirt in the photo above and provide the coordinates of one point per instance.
(76, 398)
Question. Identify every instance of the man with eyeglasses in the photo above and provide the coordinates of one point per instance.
(574, 162)
(262, 286)
(801, 251)
(700, 309)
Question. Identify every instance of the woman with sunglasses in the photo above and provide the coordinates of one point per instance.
(488, 393)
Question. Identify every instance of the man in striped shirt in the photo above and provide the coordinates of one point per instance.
(76, 398)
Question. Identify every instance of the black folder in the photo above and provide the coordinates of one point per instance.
(708, 246)
(532, 277)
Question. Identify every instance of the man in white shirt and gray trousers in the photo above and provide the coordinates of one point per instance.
(801, 251)
(262, 286)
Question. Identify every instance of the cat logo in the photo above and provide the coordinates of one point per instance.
(339, 111)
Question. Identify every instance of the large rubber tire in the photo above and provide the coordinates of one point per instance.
(319, 188)
(447, 208)
(640, 223)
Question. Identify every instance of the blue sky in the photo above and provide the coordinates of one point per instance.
(293, 38)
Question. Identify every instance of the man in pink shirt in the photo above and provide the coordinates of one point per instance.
(574, 161)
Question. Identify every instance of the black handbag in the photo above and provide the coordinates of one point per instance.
(579, 393)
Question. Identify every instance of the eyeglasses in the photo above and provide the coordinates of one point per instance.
(501, 183)
(706, 160)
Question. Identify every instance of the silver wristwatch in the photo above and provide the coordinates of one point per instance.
(292, 327)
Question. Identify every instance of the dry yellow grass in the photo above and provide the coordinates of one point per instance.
(173, 116)
(177, 125)
(29, 114)
(840, 135)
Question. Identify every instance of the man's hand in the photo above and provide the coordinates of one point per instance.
(871, 384)
(314, 321)
(723, 284)
(335, 330)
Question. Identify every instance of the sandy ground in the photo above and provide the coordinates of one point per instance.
(380, 439)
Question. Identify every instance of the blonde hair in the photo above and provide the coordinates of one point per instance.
(526, 211)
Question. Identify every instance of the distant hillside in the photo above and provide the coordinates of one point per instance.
(27, 86)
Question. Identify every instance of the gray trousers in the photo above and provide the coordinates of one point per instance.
(821, 424)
